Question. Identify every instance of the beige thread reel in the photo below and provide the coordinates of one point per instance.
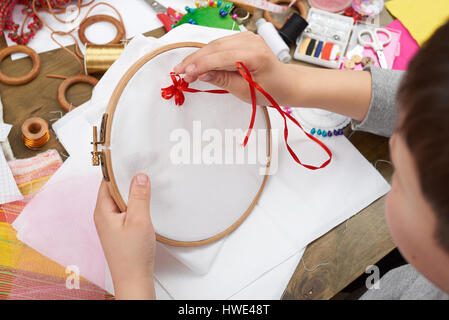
(192, 203)
(35, 133)
(33, 73)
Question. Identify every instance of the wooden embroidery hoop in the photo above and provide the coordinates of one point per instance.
(104, 156)
(30, 75)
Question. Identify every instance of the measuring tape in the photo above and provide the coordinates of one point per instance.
(266, 5)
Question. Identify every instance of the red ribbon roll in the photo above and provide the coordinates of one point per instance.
(180, 86)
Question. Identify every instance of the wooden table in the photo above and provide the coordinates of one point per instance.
(342, 254)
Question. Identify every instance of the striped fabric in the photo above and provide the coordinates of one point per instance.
(25, 273)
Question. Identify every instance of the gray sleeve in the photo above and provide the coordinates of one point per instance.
(382, 112)
(404, 283)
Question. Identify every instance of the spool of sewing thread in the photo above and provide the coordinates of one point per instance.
(35, 133)
(293, 28)
(269, 33)
(99, 58)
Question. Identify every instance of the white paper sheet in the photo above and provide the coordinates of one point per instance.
(137, 15)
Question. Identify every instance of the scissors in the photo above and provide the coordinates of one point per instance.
(375, 43)
(168, 16)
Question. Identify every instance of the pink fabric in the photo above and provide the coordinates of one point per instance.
(391, 50)
(68, 225)
(409, 46)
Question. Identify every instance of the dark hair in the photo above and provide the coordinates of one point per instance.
(424, 124)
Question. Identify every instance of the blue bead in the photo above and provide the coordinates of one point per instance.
(219, 4)
(187, 8)
(312, 131)
(335, 133)
(220, 11)
(329, 133)
(324, 133)
(319, 132)
(224, 13)
(340, 131)
(190, 20)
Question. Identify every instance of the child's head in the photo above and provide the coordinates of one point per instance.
(418, 204)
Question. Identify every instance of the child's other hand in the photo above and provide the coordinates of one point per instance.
(128, 240)
(216, 63)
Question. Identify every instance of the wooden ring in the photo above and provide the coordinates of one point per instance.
(69, 82)
(298, 4)
(97, 18)
(30, 75)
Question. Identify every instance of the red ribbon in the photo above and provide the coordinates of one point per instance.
(180, 85)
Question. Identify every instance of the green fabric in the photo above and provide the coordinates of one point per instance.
(210, 17)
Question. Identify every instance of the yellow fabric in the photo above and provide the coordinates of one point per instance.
(15, 254)
(421, 17)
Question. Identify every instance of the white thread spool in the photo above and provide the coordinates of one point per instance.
(269, 33)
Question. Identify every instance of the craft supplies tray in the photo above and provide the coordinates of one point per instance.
(325, 40)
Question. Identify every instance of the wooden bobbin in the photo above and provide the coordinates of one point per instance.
(30, 75)
(35, 133)
(299, 4)
(67, 83)
(98, 18)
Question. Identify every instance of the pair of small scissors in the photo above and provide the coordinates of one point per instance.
(375, 43)
(168, 16)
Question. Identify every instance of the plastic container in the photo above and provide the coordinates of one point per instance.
(368, 8)
(271, 36)
(334, 6)
(327, 32)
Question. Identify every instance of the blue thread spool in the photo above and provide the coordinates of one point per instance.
(313, 131)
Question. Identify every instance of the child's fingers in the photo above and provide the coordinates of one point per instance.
(105, 209)
(233, 42)
(215, 61)
(139, 200)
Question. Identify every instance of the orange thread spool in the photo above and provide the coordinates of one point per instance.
(35, 133)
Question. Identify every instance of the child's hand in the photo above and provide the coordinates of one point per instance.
(128, 240)
(216, 64)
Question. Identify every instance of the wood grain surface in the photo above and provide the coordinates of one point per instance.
(329, 264)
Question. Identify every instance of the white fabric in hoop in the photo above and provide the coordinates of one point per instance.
(189, 201)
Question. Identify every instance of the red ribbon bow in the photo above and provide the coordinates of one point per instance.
(180, 85)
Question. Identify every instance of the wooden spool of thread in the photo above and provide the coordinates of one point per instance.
(99, 58)
(35, 133)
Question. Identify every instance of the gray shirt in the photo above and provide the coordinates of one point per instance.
(404, 282)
